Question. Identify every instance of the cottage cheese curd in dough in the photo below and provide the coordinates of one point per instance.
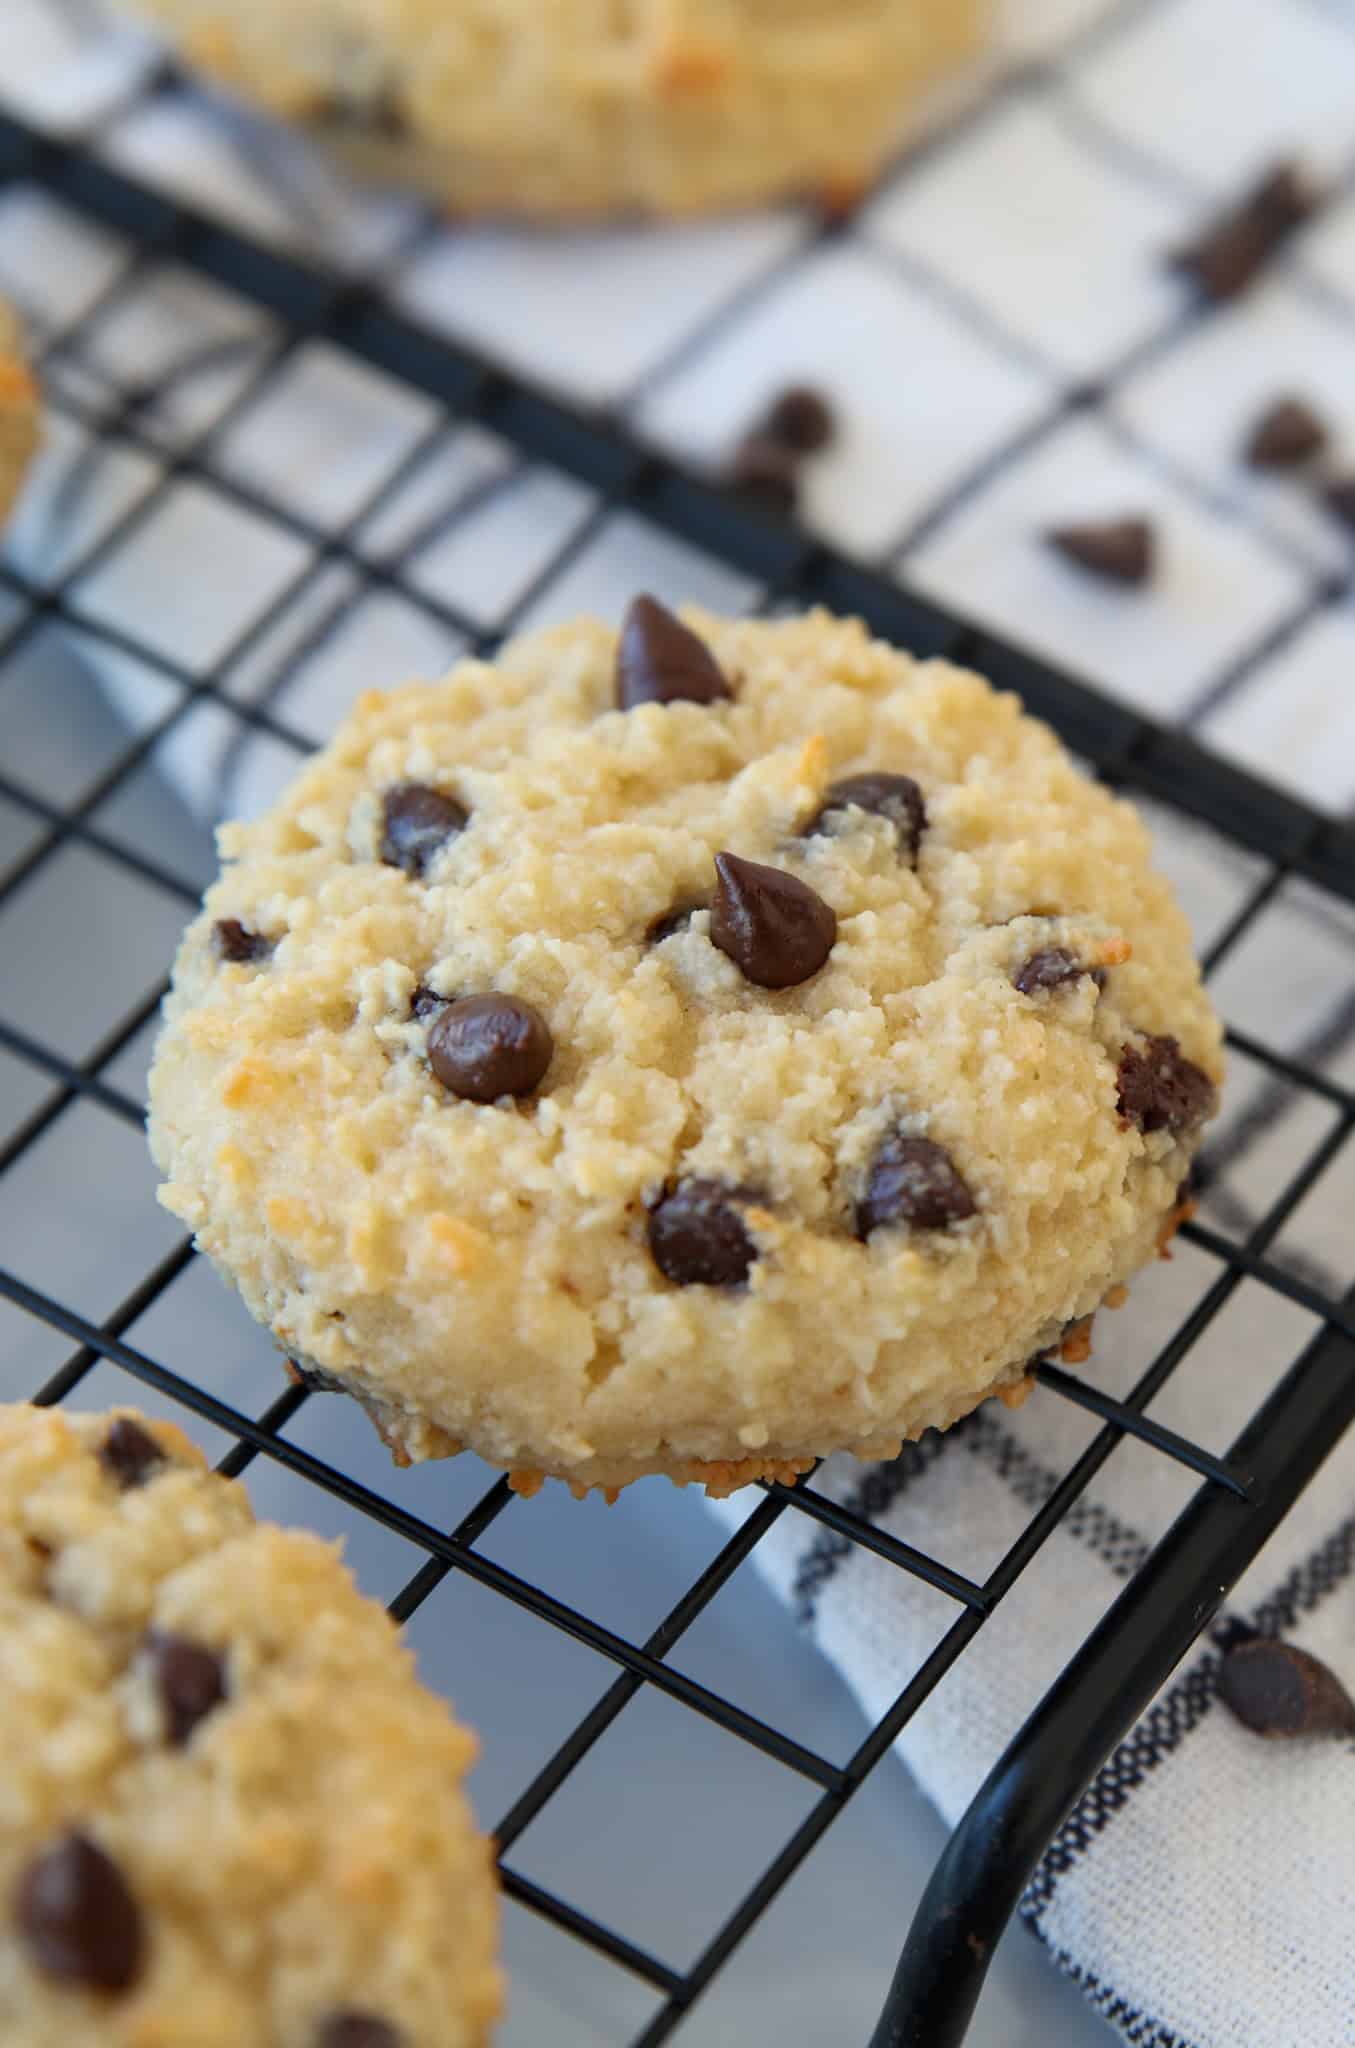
(232, 1817)
(584, 106)
(513, 1110)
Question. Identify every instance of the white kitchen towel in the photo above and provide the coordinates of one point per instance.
(1007, 351)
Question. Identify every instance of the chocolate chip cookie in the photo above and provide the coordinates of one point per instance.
(233, 1817)
(567, 107)
(691, 1050)
(19, 412)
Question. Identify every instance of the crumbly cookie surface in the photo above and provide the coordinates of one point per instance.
(19, 410)
(731, 1223)
(583, 106)
(232, 1815)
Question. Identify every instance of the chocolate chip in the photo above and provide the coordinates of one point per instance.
(801, 419)
(661, 661)
(896, 797)
(775, 929)
(768, 472)
(1288, 433)
(911, 1180)
(1160, 1089)
(130, 1453)
(380, 112)
(77, 1918)
(189, 1679)
(358, 2030)
(234, 941)
(1053, 967)
(1223, 260)
(1340, 500)
(1278, 1690)
(697, 1236)
(417, 823)
(1117, 550)
(426, 1002)
(482, 1047)
(671, 923)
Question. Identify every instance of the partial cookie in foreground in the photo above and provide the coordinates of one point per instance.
(19, 410)
(692, 1053)
(565, 107)
(233, 1818)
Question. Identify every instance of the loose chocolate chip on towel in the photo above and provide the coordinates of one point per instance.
(130, 1453)
(1288, 433)
(358, 2030)
(896, 797)
(775, 928)
(912, 1180)
(661, 661)
(1117, 550)
(1160, 1089)
(483, 1047)
(417, 823)
(1278, 1690)
(234, 941)
(801, 419)
(1052, 968)
(698, 1237)
(189, 1679)
(1223, 260)
(77, 1918)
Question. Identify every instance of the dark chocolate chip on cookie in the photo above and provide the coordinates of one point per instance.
(698, 1236)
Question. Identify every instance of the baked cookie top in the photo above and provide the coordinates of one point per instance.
(232, 1815)
(705, 1048)
(19, 409)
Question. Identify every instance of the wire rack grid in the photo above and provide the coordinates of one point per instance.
(1242, 1494)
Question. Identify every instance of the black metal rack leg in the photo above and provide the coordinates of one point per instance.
(978, 1883)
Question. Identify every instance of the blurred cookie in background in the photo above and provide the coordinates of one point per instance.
(571, 108)
(19, 410)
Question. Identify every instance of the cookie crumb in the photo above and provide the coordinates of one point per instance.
(1182, 1213)
(1075, 1347)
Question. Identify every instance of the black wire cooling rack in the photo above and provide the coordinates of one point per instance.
(1242, 1496)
